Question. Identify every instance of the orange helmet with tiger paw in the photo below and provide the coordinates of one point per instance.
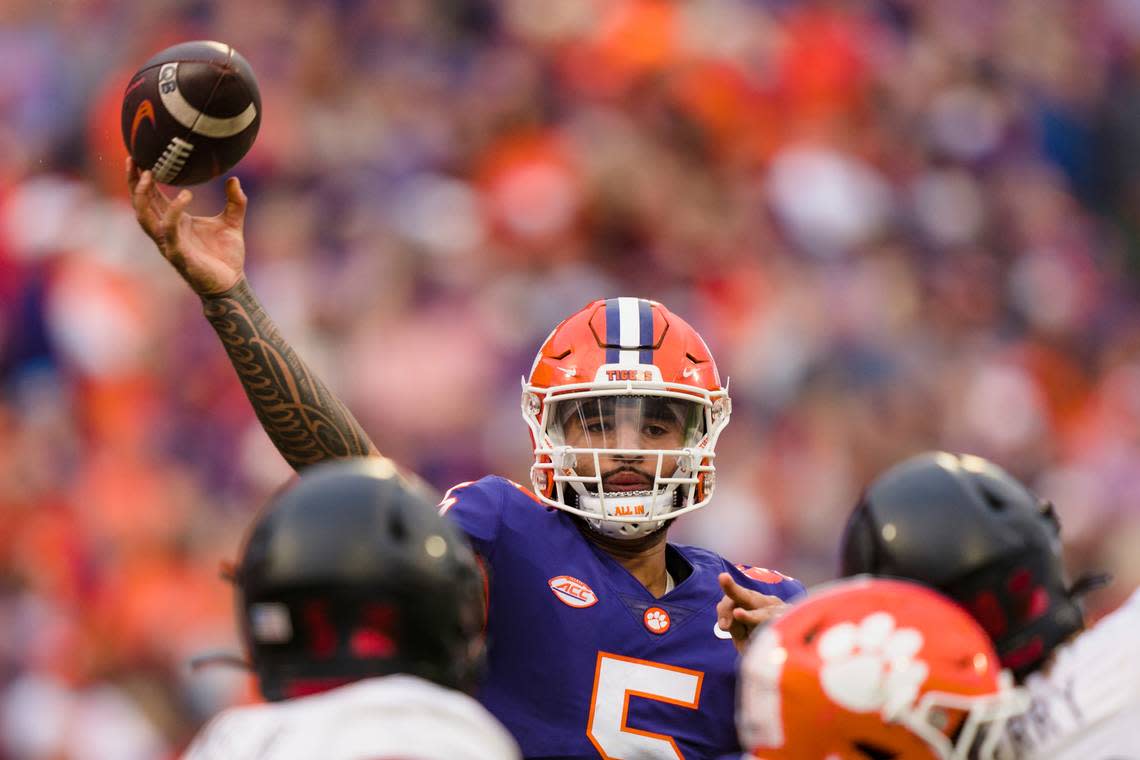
(874, 668)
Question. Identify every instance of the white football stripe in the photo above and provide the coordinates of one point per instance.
(630, 332)
(196, 121)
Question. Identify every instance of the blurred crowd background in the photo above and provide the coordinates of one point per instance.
(900, 225)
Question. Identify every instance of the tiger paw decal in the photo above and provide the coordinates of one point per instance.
(871, 666)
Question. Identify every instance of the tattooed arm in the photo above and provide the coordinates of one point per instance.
(305, 421)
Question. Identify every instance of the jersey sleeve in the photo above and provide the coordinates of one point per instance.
(767, 581)
(476, 507)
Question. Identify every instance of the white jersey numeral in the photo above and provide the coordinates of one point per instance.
(618, 678)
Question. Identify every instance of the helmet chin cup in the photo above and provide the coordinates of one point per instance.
(615, 511)
(631, 503)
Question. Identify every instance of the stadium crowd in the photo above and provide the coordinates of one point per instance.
(901, 225)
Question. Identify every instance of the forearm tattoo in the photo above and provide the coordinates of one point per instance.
(305, 421)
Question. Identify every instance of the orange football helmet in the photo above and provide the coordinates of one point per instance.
(874, 668)
(625, 405)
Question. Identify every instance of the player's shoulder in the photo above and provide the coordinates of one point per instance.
(767, 581)
(1120, 624)
(1105, 653)
(1088, 696)
(751, 576)
(489, 491)
(409, 712)
(232, 733)
(398, 690)
(1116, 632)
(1131, 605)
(492, 507)
(373, 717)
(381, 696)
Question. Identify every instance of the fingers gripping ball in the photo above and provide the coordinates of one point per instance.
(191, 112)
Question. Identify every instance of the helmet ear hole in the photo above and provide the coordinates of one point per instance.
(396, 525)
(873, 752)
(992, 500)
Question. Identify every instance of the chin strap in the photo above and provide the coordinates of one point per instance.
(211, 659)
(1089, 582)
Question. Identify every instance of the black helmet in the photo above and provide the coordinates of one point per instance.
(966, 527)
(350, 572)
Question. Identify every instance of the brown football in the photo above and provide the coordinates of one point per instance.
(191, 112)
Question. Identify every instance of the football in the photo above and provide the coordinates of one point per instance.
(191, 112)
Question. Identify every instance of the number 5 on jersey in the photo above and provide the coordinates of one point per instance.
(618, 678)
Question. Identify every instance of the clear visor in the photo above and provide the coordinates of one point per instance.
(625, 423)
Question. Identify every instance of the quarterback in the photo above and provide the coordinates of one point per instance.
(603, 638)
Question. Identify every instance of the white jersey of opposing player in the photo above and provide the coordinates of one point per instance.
(397, 716)
(1086, 704)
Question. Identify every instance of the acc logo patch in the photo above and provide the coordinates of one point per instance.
(572, 592)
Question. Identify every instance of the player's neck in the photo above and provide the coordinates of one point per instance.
(643, 558)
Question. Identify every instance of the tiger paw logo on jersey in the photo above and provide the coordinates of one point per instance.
(871, 666)
(572, 592)
(657, 620)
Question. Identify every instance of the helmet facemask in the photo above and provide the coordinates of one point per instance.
(980, 734)
(626, 458)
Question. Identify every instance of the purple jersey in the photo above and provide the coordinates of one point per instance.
(583, 661)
